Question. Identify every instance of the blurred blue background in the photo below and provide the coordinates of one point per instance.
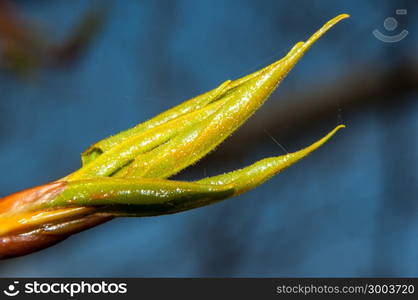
(349, 209)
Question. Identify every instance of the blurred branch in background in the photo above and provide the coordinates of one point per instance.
(24, 48)
(364, 86)
(88, 28)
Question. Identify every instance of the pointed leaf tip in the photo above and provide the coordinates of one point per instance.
(304, 152)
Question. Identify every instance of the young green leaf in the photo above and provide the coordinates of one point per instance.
(125, 174)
